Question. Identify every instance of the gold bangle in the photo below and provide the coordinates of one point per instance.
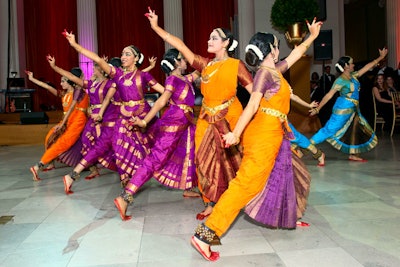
(376, 62)
(145, 123)
(306, 46)
(316, 110)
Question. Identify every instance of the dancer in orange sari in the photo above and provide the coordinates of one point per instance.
(75, 103)
(266, 146)
(215, 164)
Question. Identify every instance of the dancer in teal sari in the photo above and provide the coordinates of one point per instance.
(347, 130)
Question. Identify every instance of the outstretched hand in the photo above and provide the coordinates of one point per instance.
(152, 61)
(153, 18)
(383, 52)
(51, 60)
(70, 36)
(315, 27)
(30, 74)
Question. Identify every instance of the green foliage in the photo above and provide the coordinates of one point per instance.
(288, 12)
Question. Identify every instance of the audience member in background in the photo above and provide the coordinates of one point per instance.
(384, 104)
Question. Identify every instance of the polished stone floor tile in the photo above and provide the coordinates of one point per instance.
(353, 211)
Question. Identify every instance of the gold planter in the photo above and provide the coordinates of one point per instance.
(295, 34)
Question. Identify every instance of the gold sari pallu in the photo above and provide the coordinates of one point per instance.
(216, 165)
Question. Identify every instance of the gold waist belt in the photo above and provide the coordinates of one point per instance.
(81, 109)
(185, 108)
(274, 113)
(355, 102)
(215, 109)
(130, 103)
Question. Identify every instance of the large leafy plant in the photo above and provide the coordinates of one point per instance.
(289, 12)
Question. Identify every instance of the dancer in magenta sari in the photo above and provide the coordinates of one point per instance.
(171, 160)
(130, 143)
(93, 132)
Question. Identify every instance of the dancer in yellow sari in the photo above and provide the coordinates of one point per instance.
(266, 146)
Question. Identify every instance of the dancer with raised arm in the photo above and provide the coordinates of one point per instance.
(130, 143)
(216, 165)
(171, 158)
(347, 130)
(62, 142)
(266, 146)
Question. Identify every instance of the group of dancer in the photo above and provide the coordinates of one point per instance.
(238, 159)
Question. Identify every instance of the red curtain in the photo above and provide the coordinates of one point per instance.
(119, 23)
(44, 22)
(201, 17)
(122, 23)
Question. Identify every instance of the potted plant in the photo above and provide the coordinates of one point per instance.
(288, 12)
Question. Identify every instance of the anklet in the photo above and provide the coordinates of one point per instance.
(74, 175)
(128, 198)
(207, 235)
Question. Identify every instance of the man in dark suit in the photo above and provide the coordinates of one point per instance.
(326, 82)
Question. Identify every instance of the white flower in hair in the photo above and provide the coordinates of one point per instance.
(256, 50)
(168, 64)
(141, 58)
(233, 45)
(337, 65)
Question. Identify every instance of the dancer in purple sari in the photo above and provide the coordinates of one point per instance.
(171, 160)
(130, 143)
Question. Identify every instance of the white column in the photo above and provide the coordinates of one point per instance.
(246, 24)
(173, 22)
(87, 32)
(393, 32)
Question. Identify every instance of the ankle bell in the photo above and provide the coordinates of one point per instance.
(40, 166)
(128, 198)
(74, 175)
(207, 235)
(317, 154)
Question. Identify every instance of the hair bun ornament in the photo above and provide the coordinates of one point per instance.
(168, 64)
(337, 65)
(141, 58)
(256, 50)
(233, 45)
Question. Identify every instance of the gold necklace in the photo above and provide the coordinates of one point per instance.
(128, 82)
(206, 77)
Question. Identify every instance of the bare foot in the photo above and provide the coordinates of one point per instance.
(321, 160)
(121, 205)
(356, 158)
(92, 175)
(34, 170)
(190, 193)
(68, 181)
(205, 213)
(204, 249)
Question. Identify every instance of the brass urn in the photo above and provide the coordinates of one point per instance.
(295, 34)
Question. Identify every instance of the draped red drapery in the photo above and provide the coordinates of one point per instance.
(44, 22)
(119, 23)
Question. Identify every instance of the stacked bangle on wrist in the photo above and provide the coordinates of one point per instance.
(144, 123)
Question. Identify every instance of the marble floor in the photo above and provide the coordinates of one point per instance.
(354, 212)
